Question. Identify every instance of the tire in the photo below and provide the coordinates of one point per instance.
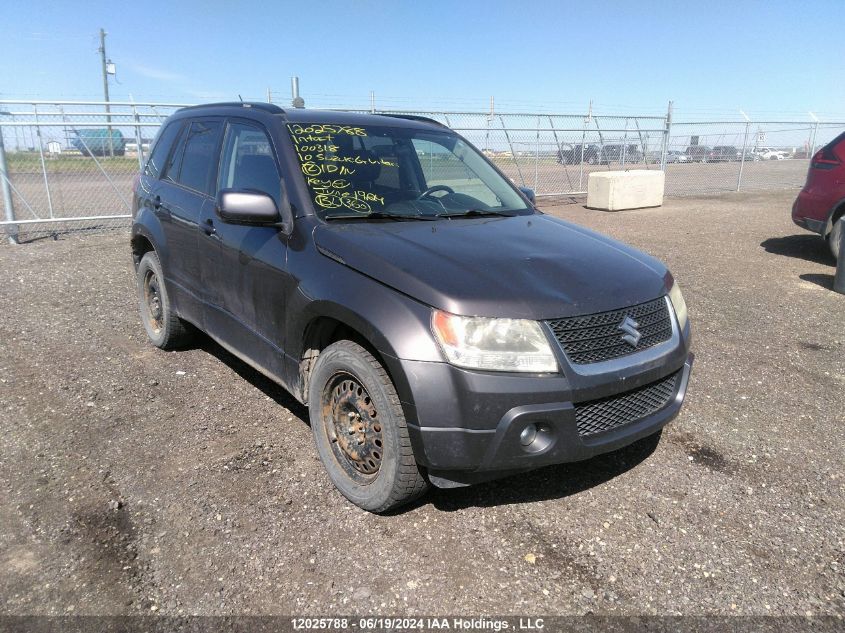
(834, 238)
(164, 328)
(360, 430)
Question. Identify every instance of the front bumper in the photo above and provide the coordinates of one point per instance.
(465, 425)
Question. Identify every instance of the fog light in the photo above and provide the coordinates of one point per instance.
(528, 435)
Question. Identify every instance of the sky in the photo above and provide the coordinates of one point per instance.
(769, 59)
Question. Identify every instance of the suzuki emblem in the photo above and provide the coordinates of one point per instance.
(632, 334)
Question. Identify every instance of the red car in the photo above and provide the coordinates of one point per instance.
(822, 200)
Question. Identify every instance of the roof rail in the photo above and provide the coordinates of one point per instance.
(413, 117)
(272, 108)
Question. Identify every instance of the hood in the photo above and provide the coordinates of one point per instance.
(532, 267)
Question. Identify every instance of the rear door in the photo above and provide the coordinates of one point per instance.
(244, 267)
(186, 187)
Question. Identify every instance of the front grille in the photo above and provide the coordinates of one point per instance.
(597, 337)
(605, 414)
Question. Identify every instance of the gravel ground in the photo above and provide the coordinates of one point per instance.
(134, 480)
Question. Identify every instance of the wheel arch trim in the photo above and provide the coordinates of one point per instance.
(147, 226)
(837, 209)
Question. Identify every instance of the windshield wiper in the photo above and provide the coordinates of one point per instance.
(380, 215)
(476, 213)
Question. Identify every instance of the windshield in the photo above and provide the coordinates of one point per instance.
(356, 171)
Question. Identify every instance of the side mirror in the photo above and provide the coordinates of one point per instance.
(239, 206)
(529, 193)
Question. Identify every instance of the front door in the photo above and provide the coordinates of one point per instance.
(244, 267)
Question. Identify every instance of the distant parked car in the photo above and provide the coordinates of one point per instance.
(617, 153)
(95, 142)
(822, 200)
(697, 153)
(573, 154)
(722, 154)
(767, 153)
(676, 156)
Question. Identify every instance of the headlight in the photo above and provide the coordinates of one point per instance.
(493, 344)
(679, 304)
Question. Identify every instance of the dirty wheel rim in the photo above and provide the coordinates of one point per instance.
(152, 298)
(353, 427)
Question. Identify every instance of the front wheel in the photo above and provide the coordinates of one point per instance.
(360, 430)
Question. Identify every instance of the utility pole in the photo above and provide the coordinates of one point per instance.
(102, 51)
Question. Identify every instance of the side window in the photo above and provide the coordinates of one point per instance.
(199, 159)
(248, 161)
(161, 150)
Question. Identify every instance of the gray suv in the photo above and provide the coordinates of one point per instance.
(439, 327)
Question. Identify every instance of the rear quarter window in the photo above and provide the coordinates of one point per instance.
(161, 149)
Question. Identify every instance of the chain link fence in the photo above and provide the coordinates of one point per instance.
(554, 154)
(70, 165)
(710, 157)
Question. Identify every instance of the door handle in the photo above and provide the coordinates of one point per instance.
(157, 203)
(208, 228)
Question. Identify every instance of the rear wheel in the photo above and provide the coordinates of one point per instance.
(164, 328)
(360, 430)
(835, 238)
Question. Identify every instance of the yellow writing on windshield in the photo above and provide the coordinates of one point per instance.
(330, 165)
(316, 128)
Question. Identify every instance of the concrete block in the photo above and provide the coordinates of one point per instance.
(618, 190)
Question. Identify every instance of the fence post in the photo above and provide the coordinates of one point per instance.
(513, 153)
(587, 120)
(667, 131)
(815, 131)
(744, 148)
(537, 159)
(557, 150)
(43, 164)
(625, 142)
(138, 135)
(12, 230)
